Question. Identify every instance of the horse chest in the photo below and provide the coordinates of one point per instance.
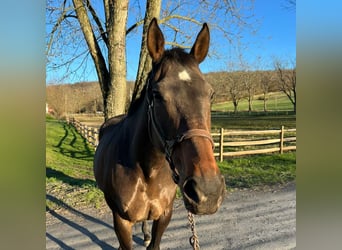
(138, 200)
(137, 197)
(147, 204)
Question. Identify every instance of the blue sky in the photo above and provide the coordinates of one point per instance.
(275, 37)
(277, 34)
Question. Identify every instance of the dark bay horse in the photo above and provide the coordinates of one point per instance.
(164, 140)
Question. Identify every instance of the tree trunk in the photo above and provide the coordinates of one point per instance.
(94, 49)
(294, 108)
(249, 105)
(115, 102)
(265, 107)
(294, 98)
(113, 80)
(145, 64)
(235, 106)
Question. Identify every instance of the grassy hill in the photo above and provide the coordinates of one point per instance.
(277, 101)
(279, 114)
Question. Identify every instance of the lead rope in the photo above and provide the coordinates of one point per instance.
(193, 239)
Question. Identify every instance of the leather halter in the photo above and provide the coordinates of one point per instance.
(169, 144)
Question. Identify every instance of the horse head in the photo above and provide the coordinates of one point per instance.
(179, 106)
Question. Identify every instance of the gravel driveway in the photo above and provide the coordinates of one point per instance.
(247, 219)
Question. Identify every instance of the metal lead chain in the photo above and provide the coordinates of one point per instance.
(193, 239)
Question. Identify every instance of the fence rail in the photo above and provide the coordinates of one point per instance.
(91, 134)
(227, 142)
(237, 143)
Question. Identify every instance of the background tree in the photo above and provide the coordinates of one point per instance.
(82, 97)
(112, 77)
(286, 78)
(248, 81)
(235, 89)
(56, 99)
(265, 84)
(145, 62)
(219, 82)
(78, 29)
(83, 29)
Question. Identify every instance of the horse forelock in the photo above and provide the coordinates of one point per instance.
(177, 56)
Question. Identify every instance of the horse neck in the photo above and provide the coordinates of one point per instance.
(144, 151)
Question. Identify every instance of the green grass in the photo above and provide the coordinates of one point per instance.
(276, 101)
(253, 122)
(69, 168)
(280, 113)
(259, 170)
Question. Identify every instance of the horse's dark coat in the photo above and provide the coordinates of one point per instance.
(130, 166)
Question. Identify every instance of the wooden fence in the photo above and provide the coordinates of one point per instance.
(227, 142)
(91, 134)
(237, 143)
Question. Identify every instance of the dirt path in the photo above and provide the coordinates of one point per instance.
(247, 219)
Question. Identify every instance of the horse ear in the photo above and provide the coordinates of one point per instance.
(201, 46)
(155, 41)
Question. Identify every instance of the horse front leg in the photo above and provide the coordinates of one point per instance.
(147, 235)
(123, 230)
(158, 229)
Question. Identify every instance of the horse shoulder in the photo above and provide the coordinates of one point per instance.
(105, 155)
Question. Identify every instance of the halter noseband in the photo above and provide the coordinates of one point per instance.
(168, 145)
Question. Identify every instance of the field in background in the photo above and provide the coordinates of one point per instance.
(254, 121)
(279, 114)
(276, 101)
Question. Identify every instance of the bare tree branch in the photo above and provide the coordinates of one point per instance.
(59, 21)
(178, 45)
(186, 18)
(287, 82)
(64, 44)
(95, 51)
(103, 33)
(134, 26)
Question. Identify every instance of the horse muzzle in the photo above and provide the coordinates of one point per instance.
(203, 196)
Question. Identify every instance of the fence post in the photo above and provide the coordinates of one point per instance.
(77, 125)
(84, 131)
(96, 136)
(221, 144)
(89, 135)
(281, 146)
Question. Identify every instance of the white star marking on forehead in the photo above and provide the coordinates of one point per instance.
(184, 76)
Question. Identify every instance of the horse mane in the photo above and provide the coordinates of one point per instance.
(137, 102)
(179, 56)
(110, 123)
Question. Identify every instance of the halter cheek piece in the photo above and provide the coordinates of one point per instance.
(168, 145)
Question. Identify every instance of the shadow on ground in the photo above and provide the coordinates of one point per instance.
(72, 223)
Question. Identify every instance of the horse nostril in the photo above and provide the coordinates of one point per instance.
(189, 190)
